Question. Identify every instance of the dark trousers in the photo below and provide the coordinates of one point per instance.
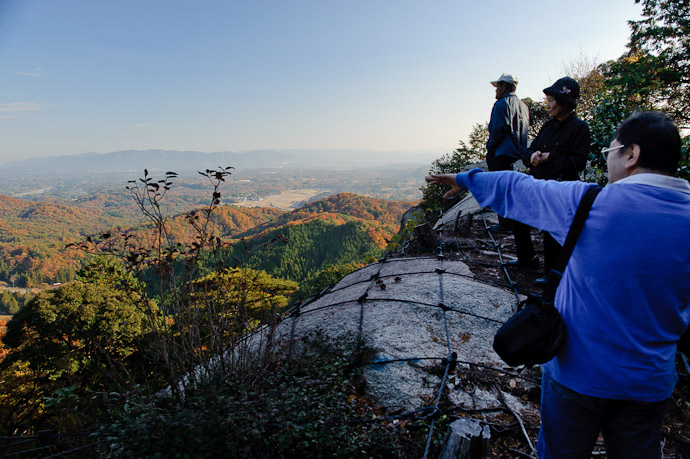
(500, 163)
(523, 239)
(571, 423)
(552, 250)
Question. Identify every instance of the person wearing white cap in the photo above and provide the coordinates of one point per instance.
(507, 126)
(507, 143)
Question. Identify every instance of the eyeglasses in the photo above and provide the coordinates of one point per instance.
(605, 151)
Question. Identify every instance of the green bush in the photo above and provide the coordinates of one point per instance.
(307, 407)
(406, 231)
(463, 156)
(684, 169)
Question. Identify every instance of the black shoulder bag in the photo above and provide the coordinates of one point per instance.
(536, 332)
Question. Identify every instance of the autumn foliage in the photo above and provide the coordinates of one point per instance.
(31, 254)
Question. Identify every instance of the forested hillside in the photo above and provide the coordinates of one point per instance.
(33, 236)
(340, 229)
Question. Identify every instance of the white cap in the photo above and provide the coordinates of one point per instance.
(505, 78)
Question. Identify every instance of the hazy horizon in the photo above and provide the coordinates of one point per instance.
(401, 156)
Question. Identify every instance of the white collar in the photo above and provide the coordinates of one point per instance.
(657, 180)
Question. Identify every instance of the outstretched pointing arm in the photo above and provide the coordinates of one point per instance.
(445, 179)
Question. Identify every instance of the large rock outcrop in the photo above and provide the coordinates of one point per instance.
(427, 324)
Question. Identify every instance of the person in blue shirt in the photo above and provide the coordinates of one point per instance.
(507, 126)
(624, 295)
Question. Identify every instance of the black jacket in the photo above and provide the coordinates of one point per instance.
(567, 142)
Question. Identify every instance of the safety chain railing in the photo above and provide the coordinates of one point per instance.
(410, 273)
(449, 362)
(501, 263)
(451, 359)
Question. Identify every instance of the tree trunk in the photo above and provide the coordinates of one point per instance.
(466, 439)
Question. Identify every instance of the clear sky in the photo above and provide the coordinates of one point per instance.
(81, 76)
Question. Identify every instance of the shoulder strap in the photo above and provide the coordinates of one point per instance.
(554, 276)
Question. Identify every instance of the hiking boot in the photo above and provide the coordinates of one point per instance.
(532, 263)
(500, 229)
(540, 282)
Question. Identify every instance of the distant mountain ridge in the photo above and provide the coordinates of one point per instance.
(130, 161)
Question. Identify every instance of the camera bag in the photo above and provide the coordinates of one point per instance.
(536, 332)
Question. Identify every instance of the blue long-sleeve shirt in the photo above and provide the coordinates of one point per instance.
(508, 127)
(625, 294)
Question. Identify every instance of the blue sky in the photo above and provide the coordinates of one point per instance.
(82, 76)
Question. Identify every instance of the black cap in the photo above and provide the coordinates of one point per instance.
(566, 91)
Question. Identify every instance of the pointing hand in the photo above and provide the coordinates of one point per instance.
(445, 179)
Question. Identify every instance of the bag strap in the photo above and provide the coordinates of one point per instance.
(554, 276)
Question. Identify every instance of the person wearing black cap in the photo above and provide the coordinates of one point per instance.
(560, 150)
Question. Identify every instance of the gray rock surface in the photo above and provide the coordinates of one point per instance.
(394, 304)
(451, 219)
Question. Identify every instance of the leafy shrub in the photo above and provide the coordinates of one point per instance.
(194, 306)
(80, 339)
(603, 121)
(307, 407)
(406, 230)
(684, 169)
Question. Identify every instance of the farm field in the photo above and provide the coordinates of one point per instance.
(285, 200)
